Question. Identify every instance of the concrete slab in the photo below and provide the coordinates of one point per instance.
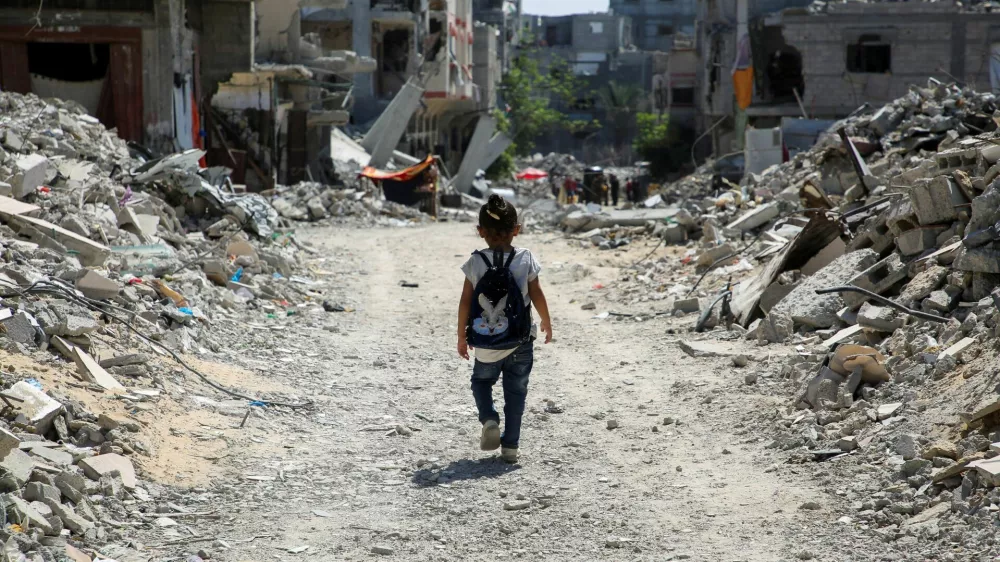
(90, 253)
(9, 206)
(92, 371)
(843, 335)
(93, 285)
(100, 465)
(38, 407)
(957, 349)
(53, 456)
(709, 349)
(18, 511)
(756, 218)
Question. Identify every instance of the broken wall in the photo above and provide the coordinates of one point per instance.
(860, 53)
(227, 41)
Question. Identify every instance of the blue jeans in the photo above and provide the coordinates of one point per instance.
(515, 369)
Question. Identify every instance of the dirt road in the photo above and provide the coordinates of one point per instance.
(341, 481)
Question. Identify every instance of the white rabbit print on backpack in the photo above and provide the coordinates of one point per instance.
(493, 321)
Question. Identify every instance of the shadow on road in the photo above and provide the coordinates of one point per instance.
(464, 469)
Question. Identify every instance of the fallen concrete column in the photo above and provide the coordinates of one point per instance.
(384, 135)
(474, 154)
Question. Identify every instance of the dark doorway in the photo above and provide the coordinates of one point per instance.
(784, 73)
(72, 62)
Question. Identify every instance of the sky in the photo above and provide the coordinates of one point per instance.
(563, 7)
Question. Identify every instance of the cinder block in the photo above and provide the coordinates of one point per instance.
(878, 279)
(918, 240)
(935, 200)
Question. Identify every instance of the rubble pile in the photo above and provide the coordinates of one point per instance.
(110, 263)
(309, 201)
(879, 264)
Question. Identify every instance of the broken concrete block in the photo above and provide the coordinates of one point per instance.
(879, 318)
(919, 240)
(92, 371)
(217, 271)
(72, 485)
(957, 349)
(847, 444)
(125, 359)
(52, 456)
(807, 308)
(775, 328)
(8, 442)
(38, 407)
(939, 302)
(93, 285)
(73, 521)
(988, 470)
(74, 554)
(985, 259)
(20, 328)
(71, 325)
(36, 491)
(89, 253)
(18, 511)
(878, 279)
(923, 284)
(873, 234)
(756, 218)
(934, 200)
(17, 466)
(842, 336)
(29, 174)
(886, 411)
(101, 465)
(687, 305)
(709, 256)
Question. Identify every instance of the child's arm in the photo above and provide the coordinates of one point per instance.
(538, 300)
(464, 305)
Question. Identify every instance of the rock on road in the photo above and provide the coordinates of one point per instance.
(387, 464)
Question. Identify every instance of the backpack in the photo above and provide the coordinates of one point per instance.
(499, 318)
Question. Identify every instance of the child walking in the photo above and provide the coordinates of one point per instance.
(494, 318)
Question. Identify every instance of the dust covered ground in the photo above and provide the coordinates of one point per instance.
(386, 465)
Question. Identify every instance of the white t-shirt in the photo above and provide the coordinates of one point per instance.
(525, 269)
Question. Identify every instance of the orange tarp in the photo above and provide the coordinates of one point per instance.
(398, 175)
(743, 86)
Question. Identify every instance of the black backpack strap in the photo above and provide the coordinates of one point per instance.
(485, 259)
(510, 260)
(497, 259)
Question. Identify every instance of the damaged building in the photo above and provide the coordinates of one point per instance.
(823, 61)
(140, 66)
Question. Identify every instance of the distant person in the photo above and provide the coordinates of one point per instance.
(494, 319)
(615, 187)
(630, 190)
(603, 191)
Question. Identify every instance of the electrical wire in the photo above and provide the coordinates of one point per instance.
(45, 287)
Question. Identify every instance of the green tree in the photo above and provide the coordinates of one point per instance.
(621, 103)
(534, 98)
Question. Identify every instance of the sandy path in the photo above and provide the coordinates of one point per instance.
(333, 479)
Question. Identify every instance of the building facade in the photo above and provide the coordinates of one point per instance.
(825, 61)
(656, 22)
(142, 66)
